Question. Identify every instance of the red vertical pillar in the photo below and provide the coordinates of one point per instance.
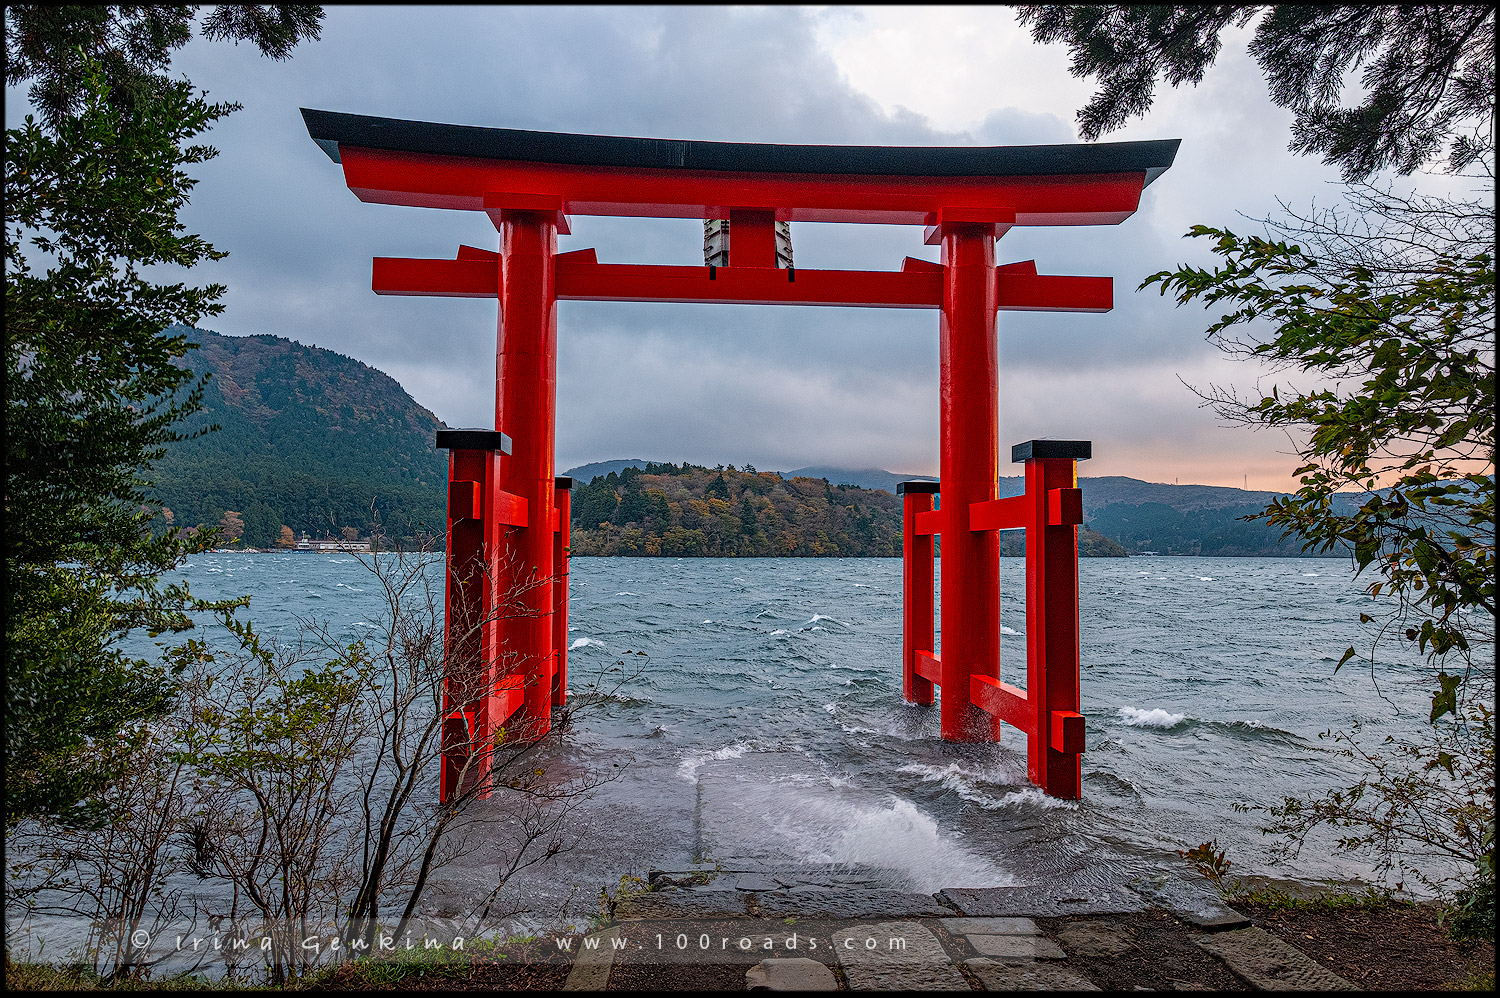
(1052, 752)
(561, 538)
(525, 404)
(916, 589)
(970, 414)
(470, 653)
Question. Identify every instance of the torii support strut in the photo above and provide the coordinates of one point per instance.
(528, 183)
(1047, 708)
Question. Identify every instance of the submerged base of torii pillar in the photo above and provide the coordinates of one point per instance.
(507, 554)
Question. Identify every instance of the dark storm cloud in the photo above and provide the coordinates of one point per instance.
(776, 386)
(804, 383)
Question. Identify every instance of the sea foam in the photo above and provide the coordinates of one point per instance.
(688, 768)
(893, 835)
(1155, 718)
(970, 785)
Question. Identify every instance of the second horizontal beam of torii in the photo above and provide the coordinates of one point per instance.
(581, 277)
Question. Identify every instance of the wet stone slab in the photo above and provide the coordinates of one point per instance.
(896, 956)
(992, 926)
(799, 973)
(826, 874)
(1015, 948)
(997, 975)
(771, 878)
(748, 881)
(1040, 901)
(1218, 919)
(848, 902)
(1270, 964)
(1198, 904)
(591, 968)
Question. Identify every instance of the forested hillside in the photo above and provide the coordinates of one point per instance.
(687, 510)
(309, 439)
(312, 441)
(1157, 527)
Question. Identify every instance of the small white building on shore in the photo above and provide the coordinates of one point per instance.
(355, 547)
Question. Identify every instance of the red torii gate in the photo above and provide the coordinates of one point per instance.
(508, 514)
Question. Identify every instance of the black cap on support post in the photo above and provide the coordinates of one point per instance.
(1076, 450)
(917, 488)
(563, 482)
(473, 440)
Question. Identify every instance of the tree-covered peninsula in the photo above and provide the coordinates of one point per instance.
(686, 510)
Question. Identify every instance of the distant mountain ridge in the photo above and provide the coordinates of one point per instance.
(668, 510)
(1141, 517)
(865, 478)
(585, 473)
(1097, 492)
(315, 442)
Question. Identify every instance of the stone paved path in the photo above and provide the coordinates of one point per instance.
(887, 940)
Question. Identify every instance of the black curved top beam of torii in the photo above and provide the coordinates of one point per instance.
(468, 168)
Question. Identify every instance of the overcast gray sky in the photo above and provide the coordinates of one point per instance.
(777, 387)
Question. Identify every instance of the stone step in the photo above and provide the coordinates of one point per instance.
(1269, 964)
(798, 973)
(592, 965)
(896, 956)
(998, 975)
(1041, 900)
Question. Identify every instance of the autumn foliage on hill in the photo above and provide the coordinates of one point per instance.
(664, 510)
(688, 511)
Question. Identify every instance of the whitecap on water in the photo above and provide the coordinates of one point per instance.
(892, 835)
(1010, 630)
(779, 630)
(688, 768)
(1031, 797)
(967, 783)
(1155, 718)
(584, 643)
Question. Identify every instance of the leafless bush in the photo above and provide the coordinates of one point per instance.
(303, 777)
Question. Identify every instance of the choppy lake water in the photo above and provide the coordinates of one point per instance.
(1205, 682)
